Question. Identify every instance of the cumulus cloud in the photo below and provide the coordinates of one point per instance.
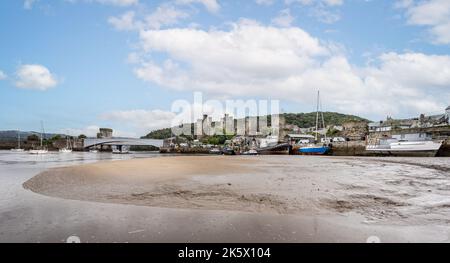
(124, 22)
(288, 63)
(211, 5)
(284, 18)
(434, 14)
(2, 75)
(35, 77)
(163, 15)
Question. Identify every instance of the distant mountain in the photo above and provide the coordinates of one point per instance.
(12, 135)
(302, 120)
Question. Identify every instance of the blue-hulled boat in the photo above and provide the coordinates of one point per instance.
(314, 149)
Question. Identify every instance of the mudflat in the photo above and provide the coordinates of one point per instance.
(395, 191)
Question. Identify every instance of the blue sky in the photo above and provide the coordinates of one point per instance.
(81, 64)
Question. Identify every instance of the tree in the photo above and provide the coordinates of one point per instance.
(82, 136)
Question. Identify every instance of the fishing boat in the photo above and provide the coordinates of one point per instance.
(41, 149)
(271, 145)
(316, 148)
(18, 149)
(68, 148)
(412, 145)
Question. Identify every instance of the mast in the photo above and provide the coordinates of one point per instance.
(18, 139)
(42, 132)
(317, 115)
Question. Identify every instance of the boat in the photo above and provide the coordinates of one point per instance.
(120, 149)
(250, 152)
(42, 149)
(271, 145)
(416, 146)
(215, 151)
(316, 148)
(68, 148)
(18, 149)
(228, 151)
(93, 151)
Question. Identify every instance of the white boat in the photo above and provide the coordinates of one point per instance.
(68, 148)
(42, 149)
(93, 151)
(18, 149)
(395, 146)
(120, 149)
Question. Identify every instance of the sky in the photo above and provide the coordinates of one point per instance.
(83, 64)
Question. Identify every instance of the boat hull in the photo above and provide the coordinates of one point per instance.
(414, 149)
(280, 149)
(315, 150)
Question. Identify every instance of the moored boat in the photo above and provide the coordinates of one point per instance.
(316, 148)
(394, 146)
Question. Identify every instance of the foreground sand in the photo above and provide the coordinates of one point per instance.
(383, 191)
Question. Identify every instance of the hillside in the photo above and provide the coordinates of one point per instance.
(306, 120)
(302, 120)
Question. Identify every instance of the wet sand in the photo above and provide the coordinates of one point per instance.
(386, 192)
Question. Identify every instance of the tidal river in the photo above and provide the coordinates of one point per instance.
(148, 197)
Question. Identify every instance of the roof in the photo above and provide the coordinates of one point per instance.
(306, 136)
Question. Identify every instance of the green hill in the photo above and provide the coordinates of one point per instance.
(302, 120)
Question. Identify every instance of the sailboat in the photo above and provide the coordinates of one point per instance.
(68, 148)
(315, 148)
(18, 149)
(42, 149)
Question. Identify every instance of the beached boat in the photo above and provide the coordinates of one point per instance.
(316, 148)
(41, 149)
(215, 151)
(271, 145)
(250, 152)
(420, 146)
(228, 151)
(18, 149)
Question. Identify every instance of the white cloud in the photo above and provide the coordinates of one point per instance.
(28, 4)
(164, 15)
(434, 14)
(264, 2)
(211, 5)
(121, 3)
(124, 22)
(311, 2)
(287, 63)
(323, 10)
(2, 75)
(284, 18)
(141, 121)
(118, 2)
(35, 77)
